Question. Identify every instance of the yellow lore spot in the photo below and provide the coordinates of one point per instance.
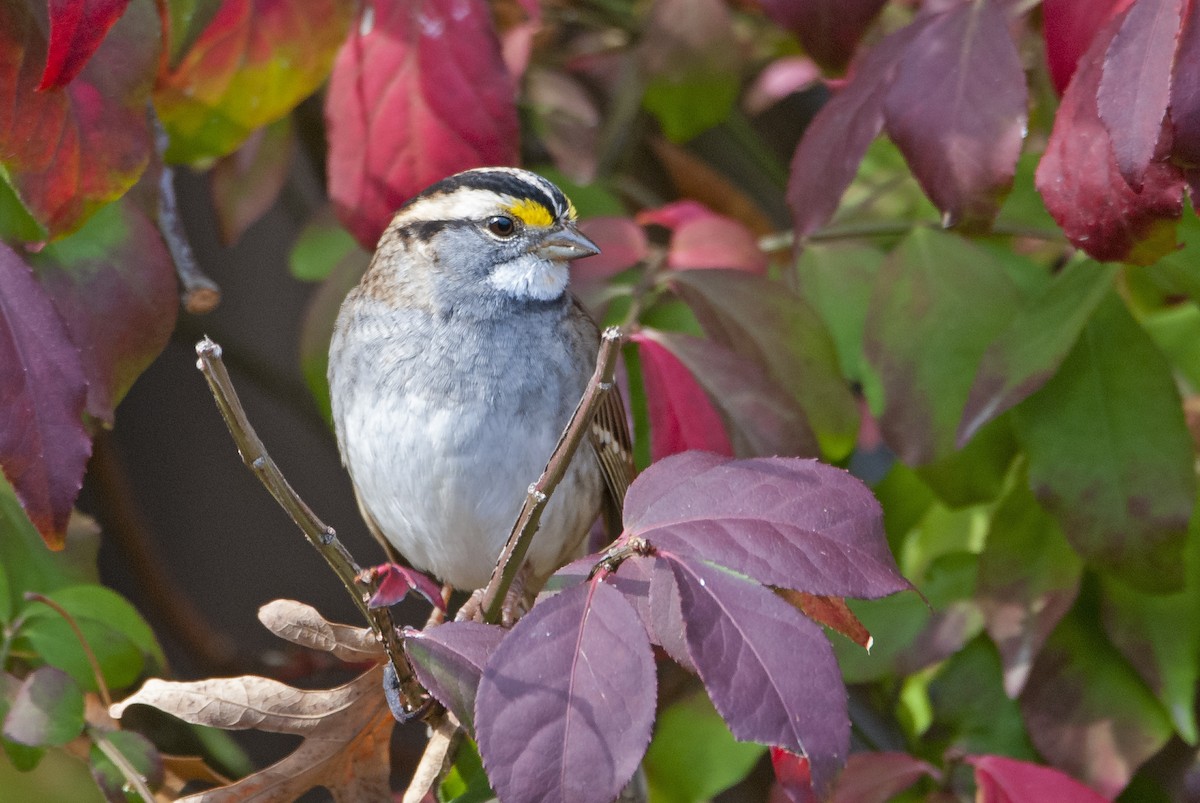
(531, 213)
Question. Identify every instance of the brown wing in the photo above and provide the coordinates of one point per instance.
(613, 445)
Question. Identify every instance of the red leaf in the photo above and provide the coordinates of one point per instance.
(793, 774)
(833, 612)
(254, 62)
(1082, 186)
(44, 446)
(682, 416)
(1185, 95)
(1006, 780)
(828, 156)
(69, 151)
(246, 183)
(761, 417)
(1135, 84)
(956, 110)
(703, 239)
(829, 29)
(566, 702)
(77, 27)
(622, 245)
(395, 581)
(1069, 27)
(419, 91)
(114, 285)
(879, 777)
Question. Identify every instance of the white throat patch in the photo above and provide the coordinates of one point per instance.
(531, 277)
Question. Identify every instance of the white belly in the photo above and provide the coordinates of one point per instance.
(446, 494)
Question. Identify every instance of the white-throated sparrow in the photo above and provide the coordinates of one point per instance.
(454, 366)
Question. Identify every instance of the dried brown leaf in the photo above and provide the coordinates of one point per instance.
(302, 624)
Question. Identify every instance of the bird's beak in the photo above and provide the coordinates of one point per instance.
(565, 243)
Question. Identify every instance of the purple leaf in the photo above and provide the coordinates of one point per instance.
(770, 671)
(567, 700)
(44, 446)
(1135, 84)
(829, 29)
(956, 110)
(836, 140)
(783, 521)
(47, 709)
(666, 615)
(1185, 95)
(449, 660)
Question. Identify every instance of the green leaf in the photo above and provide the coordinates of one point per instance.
(938, 302)
(47, 710)
(322, 244)
(976, 473)
(1176, 332)
(688, 105)
(1086, 710)
(1028, 579)
(1160, 637)
(189, 18)
(693, 756)
(766, 323)
(317, 327)
(6, 600)
(16, 224)
(123, 643)
(971, 710)
(1033, 345)
(836, 280)
(1109, 452)
(895, 622)
(590, 200)
(466, 781)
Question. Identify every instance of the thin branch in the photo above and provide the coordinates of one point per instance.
(539, 493)
(200, 293)
(128, 771)
(319, 534)
(101, 686)
(784, 240)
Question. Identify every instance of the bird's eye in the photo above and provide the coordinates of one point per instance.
(502, 226)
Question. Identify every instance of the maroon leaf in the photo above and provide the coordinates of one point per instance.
(681, 414)
(1135, 84)
(1006, 780)
(879, 777)
(1069, 27)
(828, 156)
(69, 151)
(829, 29)
(833, 612)
(449, 660)
(773, 327)
(622, 245)
(666, 615)
(956, 110)
(794, 775)
(114, 285)
(395, 581)
(44, 446)
(77, 27)
(419, 91)
(783, 521)
(1185, 95)
(762, 418)
(566, 702)
(770, 671)
(246, 183)
(1082, 186)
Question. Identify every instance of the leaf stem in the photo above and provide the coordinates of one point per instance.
(527, 522)
(319, 534)
(93, 662)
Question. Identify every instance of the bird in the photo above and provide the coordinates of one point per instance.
(455, 364)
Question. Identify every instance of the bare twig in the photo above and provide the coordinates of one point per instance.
(129, 772)
(200, 293)
(539, 493)
(319, 534)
